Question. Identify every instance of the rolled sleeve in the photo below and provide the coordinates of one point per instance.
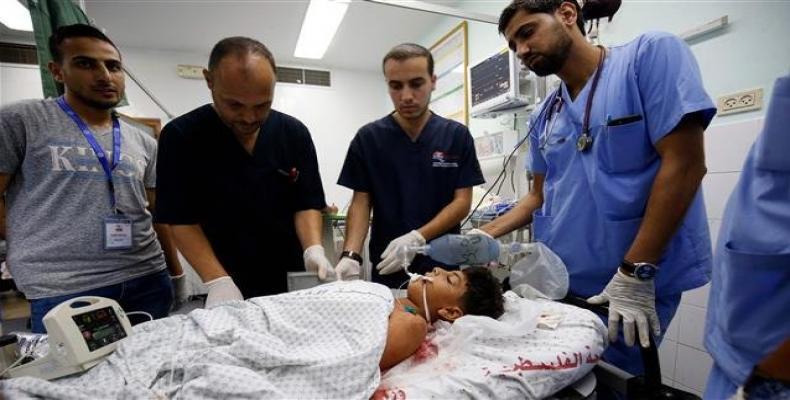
(670, 83)
(470, 174)
(535, 162)
(12, 141)
(309, 189)
(176, 194)
(354, 174)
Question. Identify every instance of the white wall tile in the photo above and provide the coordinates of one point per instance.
(696, 297)
(717, 188)
(666, 357)
(726, 145)
(672, 331)
(692, 367)
(691, 331)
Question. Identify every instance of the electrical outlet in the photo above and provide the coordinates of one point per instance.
(747, 100)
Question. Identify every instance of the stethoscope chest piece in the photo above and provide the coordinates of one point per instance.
(584, 143)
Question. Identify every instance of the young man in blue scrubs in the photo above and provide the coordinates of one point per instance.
(413, 168)
(618, 159)
(747, 331)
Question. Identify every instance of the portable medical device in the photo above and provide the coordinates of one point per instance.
(81, 332)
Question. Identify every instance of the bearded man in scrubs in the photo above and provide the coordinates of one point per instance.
(617, 156)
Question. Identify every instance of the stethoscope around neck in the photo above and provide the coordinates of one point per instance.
(585, 141)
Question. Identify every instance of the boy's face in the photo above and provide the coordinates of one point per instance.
(443, 293)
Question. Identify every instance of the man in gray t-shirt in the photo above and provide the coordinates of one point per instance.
(65, 237)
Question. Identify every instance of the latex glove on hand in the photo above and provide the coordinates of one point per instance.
(222, 290)
(315, 261)
(633, 301)
(392, 259)
(180, 295)
(347, 269)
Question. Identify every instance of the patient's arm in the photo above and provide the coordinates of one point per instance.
(405, 333)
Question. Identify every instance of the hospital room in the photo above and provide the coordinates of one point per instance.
(394, 199)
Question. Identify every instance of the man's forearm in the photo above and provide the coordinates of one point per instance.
(672, 192)
(521, 214)
(516, 218)
(308, 227)
(165, 236)
(195, 247)
(357, 223)
(674, 188)
(450, 216)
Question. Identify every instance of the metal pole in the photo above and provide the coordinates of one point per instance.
(148, 92)
(438, 9)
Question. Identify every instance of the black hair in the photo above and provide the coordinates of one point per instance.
(483, 294)
(74, 31)
(537, 6)
(239, 46)
(405, 51)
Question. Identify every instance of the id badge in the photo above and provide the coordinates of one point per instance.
(117, 233)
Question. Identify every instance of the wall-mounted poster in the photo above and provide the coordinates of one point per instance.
(450, 58)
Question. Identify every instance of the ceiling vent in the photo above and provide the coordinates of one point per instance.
(301, 76)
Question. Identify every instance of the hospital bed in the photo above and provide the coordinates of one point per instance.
(220, 354)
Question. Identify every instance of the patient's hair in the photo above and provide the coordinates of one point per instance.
(483, 293)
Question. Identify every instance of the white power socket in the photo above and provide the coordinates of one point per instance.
(747, 100)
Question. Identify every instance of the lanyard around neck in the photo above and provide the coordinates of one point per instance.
(97, 149)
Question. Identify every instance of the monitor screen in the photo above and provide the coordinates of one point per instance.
(99, 327)
(490, 78)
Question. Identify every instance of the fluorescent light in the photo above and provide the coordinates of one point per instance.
(319, 26)
(15, 16)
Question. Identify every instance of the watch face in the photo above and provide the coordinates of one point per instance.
(645, 271)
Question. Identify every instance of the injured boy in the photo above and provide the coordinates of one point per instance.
(325, 342)
(438, 295)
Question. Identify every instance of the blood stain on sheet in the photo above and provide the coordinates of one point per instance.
(427, 350)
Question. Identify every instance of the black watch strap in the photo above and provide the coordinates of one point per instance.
(352, 255)
(628, 268)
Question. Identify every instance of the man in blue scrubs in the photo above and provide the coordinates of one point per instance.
(748, 329)
(617, 155)
(413, 168)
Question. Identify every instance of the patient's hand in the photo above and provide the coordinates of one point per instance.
(405, 333)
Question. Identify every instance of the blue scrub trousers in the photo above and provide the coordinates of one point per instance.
(719, 385)
(151, 293)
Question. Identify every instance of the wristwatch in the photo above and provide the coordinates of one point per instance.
(641, 270)
(352, 255)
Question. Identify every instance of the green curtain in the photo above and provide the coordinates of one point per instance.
(48, 15)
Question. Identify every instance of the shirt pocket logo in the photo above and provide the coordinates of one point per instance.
(440, 159)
